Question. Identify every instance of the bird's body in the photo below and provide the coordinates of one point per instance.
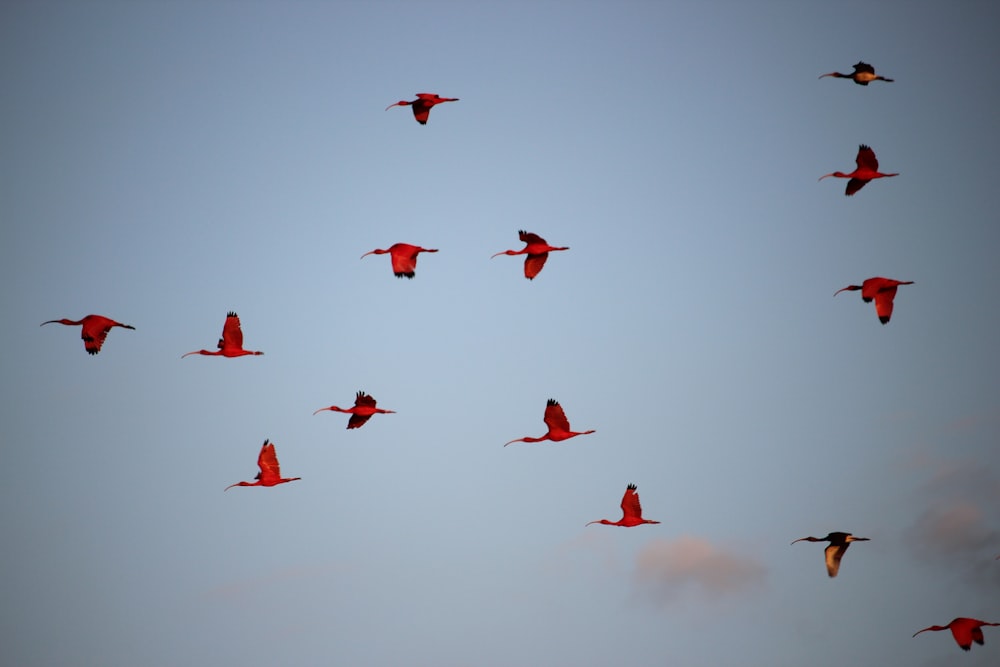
(558, 425)
(270, 471)
(422, 105)
(95, 330)
(537, 251)
(231, 343)
(631, 511)
(364, 408)
(882, 290)
(964, 630)
(404, 257)
(867, 169)
(863, 75)
(838, 547)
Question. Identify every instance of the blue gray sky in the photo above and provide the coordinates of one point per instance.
(164, 163)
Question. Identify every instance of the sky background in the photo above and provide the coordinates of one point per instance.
(162, 163)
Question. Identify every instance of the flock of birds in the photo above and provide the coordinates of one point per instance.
(881, 290)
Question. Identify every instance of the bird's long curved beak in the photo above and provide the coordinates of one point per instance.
(49, 322)
(320, 410)
(370, 252)
(231, 486)
(842, 289)
(824, 176)
(502, 252)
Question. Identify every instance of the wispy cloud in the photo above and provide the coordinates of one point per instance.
(667, 568)
(236, 590)
(952, 528)
(957, 524)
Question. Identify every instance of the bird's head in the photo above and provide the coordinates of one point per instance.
(849, 288)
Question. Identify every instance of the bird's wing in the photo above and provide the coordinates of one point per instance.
(267, 461)
(529, 238)
(533, 265)
(232, 333)
(963, 635)
(357, 421)
(866, 158)
(365, 400)
(404, 263)
(428, 96)
(854, 185)
(883, 303)
(864, 67)
(630, 504)
(555, 418)
(977, 636)
(834, 553)
(93, 334)
(421, 111)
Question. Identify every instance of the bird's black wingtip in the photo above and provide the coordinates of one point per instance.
(884, 319)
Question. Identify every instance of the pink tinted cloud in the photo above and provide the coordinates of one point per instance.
(953, 527)
(956, 525)
(665, 568)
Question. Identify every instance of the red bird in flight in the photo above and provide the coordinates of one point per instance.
(964, 630)
(404, 257)
(866, 171)
(558, 425)
(536, 249)
(838, 547)
(364, 408)
(863, 75)
(95, 330)
(631, 511)
(270, 471)
(882, 290)
(231, 343)
(422, 105)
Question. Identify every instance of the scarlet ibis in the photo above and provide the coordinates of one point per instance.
(404, 257)
(270, 471)
(883, 290)
(866, 171)
(631, 511)
(231, 343)
(863, 75)
(558, 425)
(536, 249)
(838, 546)
(422, 105)
(964, 630)
(364, 408)
(95, 330)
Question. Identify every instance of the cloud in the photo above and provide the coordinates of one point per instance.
(666, 568)
(957, 526)
(237, 590)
